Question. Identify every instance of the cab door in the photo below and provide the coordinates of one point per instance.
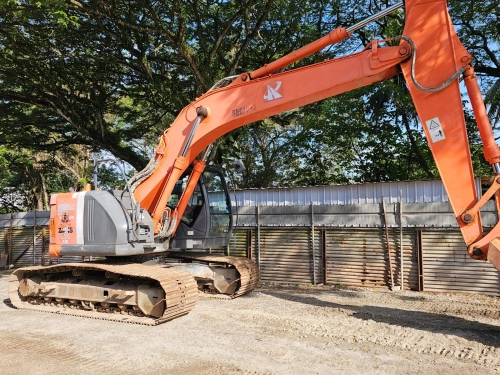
(207, 221)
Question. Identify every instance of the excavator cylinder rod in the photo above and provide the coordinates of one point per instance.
(375, 17)
(491, 150)
(333, 37)
(202, 113)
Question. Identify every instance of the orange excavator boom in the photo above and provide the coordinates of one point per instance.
(431, 58)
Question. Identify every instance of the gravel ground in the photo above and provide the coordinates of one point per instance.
(274, 330)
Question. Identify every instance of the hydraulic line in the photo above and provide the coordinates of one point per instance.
(413, 61)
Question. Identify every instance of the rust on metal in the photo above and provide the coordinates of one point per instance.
(389, 258)
(176, 290)
(324, 256)
(248, 271)
(31, 245)
(494, 253)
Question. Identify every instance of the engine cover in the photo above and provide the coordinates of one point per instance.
(98, 223)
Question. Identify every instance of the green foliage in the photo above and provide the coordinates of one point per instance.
(20, 181)
(493, 100)
(478, 25)
(110, 178)
(112, 76)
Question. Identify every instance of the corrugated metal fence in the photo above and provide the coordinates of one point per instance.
(433, 260)
(410, 191)
(18, 243)
(17, 236)
(348, 245)
(329, 244)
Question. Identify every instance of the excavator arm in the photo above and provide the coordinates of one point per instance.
(245, 102)
(438, 56)
(431, 58)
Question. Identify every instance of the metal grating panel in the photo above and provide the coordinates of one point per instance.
(318, 246)
(22, 247)
(359, 258)
(70, 259)
(447, 267)
(238, 243)
(285, 256)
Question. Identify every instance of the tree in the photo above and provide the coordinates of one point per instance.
(493, 100)
(478, 24)
(103, 73)
(112, 75)
(27, 178)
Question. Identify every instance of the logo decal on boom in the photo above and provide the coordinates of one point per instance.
(272, 92)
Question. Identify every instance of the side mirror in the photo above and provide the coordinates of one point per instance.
(238, 166)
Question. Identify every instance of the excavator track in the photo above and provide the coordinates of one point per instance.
(249, 274)
(179, 287)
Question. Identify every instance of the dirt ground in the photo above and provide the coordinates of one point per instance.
(274, 330)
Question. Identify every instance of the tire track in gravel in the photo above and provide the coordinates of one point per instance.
(51, 359)
(427, 330)
(219, 370)
(444, 305)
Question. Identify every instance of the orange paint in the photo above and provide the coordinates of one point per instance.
(238, 105)
(63, 226)
(199, 167)
(262, 93)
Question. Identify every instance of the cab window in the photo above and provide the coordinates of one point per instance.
(220, 213)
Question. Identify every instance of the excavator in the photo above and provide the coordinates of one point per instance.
(151, 240)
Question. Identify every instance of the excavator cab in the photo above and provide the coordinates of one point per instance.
(207, 220)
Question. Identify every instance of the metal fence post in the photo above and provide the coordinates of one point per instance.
(34, 237)
(43, 247)
(6, 241)
(313, 244)
(6, 248)
(10, 237)
(324, 255)
(401, 233)
(420, 257)
(387, 243)
(249, 244)
(258, 236)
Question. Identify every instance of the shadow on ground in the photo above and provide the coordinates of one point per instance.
(486, 334)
